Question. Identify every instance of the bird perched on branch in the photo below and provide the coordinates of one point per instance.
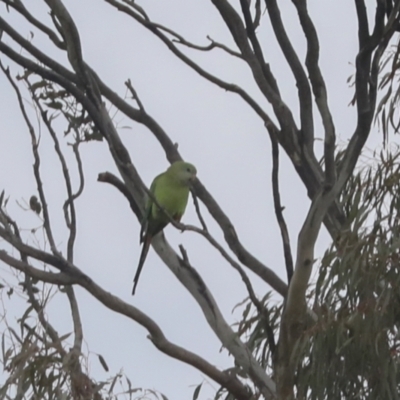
(170, 192)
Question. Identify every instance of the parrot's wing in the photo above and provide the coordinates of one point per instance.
(149, 206)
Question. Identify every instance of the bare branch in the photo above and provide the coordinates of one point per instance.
(69, 203)
(363, 29)
(181, 40)
(222, 84)
(366, 86)
(306, 164)
(107, 177)
(49, 329)
(78, 331)
(31, 49)
(262, 75)
(135, 96)
(211, 46)
(19, 6)
(68, 82)
(114, 303)
(187, 276)
(279, 209)
(198, 212)
(224, 47)
(136, 7)
(304, 92)
(251, 33)
(24, 267)
(294, 314)
(319, 89)
(74, 49)
(234, 243)
(36, 165)
(50, 277)
(257, 16)
(215, 210)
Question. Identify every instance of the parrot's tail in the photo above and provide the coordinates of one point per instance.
(143, 255)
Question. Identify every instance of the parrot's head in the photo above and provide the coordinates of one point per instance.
(184, 172)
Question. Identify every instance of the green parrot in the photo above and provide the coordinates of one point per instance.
(171, 191)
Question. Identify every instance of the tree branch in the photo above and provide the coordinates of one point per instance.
(294, 314)
(363, 29)
(279, 210)
(245, 5)
(304, 92)
(158, 338)
(19, 6)
(319, 90)
(36, 164)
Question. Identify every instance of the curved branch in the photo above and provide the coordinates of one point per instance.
(43, 276)
(70, 220)
(366, 85)
(19, 6)
(76, 318)
(294, 313)
(49, 62)
(187, 276)
(304, 92)
(36, 164)
(114, 303)
(251, 33)
(74, 48)
(261, 73)
(305, 163)
(220, 83)
(279, 210)
(319, 90)
(215, 210)
(110, 178)
(232, 239)
(181, 40)
(363, 29)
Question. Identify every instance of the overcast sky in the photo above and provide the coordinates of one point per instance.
(215, 131)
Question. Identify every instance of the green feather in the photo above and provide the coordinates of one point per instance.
(171, 191)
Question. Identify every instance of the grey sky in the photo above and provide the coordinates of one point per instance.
(216, 131)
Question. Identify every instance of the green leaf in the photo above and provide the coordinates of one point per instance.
(197, 392)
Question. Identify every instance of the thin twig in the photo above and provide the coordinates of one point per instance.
(198, 212)
(136, 8)
(181, 40)
(114, 303)
(108, 177)
(19, 6)
(69, 203)
(211, 46)
(27, 270)
(219, 82)
(36, 165)
(135, 96)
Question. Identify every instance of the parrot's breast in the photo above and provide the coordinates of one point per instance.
(172, 197)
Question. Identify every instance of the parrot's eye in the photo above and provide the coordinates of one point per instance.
(188, 170)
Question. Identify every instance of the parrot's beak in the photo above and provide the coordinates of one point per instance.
(193, 177)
